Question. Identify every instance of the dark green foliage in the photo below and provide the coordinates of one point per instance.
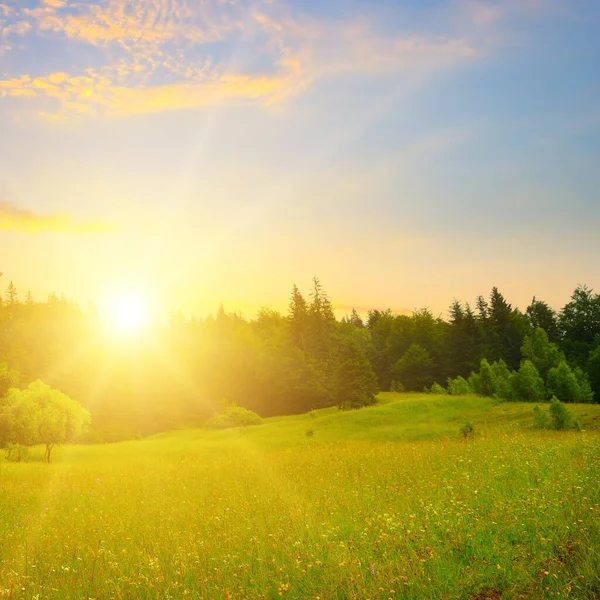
(355, 383)
(415, 368)
(541, 316)
(459, 386)
(527, 383)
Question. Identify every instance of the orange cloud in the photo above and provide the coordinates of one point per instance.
(12, 217)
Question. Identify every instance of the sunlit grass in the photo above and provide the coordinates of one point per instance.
(269, 512)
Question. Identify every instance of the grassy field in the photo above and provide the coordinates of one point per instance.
(385, 502)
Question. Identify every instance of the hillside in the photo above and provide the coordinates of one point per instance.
(384, 502)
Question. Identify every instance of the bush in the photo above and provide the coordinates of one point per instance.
(436, 388)
(310, 432)
(541, 419)
(558, 418)
(467, 431)
(234, 416)
(561, 417)
(459, 386)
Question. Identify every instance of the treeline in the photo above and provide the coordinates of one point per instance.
(290, 363)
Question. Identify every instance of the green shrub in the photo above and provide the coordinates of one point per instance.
(561, 417)
(310, 432)
(436, 388)
(541, 419)
(558, 418)
(467, 431)
(459, 386)
(234, 416)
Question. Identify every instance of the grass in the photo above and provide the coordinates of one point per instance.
(385, 502)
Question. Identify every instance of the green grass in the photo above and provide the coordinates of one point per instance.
(385, 502)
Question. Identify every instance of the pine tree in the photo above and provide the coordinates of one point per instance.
(298, 319)
(355, 382)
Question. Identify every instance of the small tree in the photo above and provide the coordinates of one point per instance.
(541, 419)
(415, 367)
(459, 386)
(40, 414)
(563, 383)
(561, 417)
(527, 383)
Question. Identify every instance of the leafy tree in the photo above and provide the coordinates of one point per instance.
(493, 380)
(41, 414)
(415, 368)
(502, 378)
(563, 384)
(482, 383)
(541, 352)
(355, 383)
(579, 324)
(527, 383)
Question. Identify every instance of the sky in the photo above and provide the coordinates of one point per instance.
(218, 151)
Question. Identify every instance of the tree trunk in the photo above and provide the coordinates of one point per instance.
(48, 453)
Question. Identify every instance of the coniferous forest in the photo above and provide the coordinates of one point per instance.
(178, 372)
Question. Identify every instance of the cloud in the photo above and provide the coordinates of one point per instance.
(12, 217)
(159, 55)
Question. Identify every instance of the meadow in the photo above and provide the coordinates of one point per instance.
(384, 502)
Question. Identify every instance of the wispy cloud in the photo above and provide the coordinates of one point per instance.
(158, 55)
(19, 219)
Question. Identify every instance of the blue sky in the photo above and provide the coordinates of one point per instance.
(220, 150)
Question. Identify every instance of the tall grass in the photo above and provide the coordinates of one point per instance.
(269, 512)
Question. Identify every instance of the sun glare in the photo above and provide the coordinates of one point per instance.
(128, 315)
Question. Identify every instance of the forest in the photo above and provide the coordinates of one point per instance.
(179, 372)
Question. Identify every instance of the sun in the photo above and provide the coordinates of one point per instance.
(128, 314)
